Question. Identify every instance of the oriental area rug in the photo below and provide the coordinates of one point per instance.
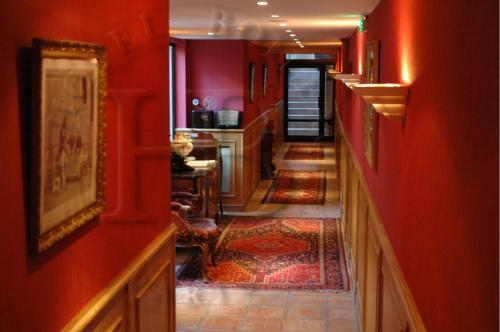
(305, 152)
(297, 187)
(275, 253)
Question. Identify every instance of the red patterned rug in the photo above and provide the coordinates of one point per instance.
(305, 152)
(297, 187)
(275, 253)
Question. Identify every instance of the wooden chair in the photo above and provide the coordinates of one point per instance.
(192, 200)
(195, 232)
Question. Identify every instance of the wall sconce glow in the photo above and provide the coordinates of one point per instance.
(406, 35)
(388, 99)
(262, 3)
(283, 24)
(210, 33)
(405, 73)
(275, 16)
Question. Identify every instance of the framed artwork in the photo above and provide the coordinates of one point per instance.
(264, 80)
(67, 172)
(370, 115)
(251, 71)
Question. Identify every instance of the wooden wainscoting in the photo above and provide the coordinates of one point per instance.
(384, 300)
(141, 299)
(251, 146)
(240, 149)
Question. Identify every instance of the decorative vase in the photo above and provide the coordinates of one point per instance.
(181, 148)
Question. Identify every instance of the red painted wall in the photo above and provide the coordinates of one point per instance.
(219, 68)
(180, 83)
(44, 292)
(274, 90)
(215, 68)
(436, 185)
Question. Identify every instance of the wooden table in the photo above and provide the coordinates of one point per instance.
(204, 180)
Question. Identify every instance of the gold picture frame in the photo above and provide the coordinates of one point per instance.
(264, 80)
(251, 82)
(68, 145)
(372, 62)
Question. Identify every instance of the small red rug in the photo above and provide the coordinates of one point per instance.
(275, 253)
(297, 187)
(305, 152)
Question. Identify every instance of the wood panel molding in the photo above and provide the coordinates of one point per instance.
(125, 305)
(384, 299)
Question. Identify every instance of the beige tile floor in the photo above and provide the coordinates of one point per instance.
(220, 309)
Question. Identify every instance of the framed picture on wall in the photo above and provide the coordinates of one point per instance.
(251, 73)
(372, 62)
(264, 80)
(67, 171)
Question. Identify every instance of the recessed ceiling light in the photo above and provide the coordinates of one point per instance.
(297, 41)
(292, 35)
(262, 3)
(288, 30)
(210, 33)
(283, 24)
(275, 16)
(301, 46)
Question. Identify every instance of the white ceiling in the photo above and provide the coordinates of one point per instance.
(313, 21)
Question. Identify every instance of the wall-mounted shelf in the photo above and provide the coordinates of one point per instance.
(332, 73)
(388, 99)
(348, 79)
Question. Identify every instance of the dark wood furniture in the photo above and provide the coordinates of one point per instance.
(195, 232)
(203, 181)
(206, 180)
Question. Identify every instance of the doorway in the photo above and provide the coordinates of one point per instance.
(309, 102)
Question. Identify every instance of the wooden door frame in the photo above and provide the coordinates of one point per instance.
(321, 65)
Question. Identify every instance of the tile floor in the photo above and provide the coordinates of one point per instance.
(223, 309)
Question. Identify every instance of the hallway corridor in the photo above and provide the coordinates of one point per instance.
(225, 309)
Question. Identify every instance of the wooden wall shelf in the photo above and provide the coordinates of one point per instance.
(387, 99)
(348, 79)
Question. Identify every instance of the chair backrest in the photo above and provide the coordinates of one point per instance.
(184, 232)
(188, 199)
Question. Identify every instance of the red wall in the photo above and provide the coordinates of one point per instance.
(219, 68)
(180, 83)
(274, 90)
(215, 68)
(436, 185)
(44, 292)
